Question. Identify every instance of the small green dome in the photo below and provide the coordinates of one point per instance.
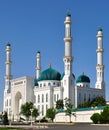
(8, 44)
(83, 78)
(49, 74)
(100, 29)
(68, 14)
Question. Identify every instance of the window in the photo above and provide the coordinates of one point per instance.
(49, 84)
(46, 97)
(84, 97)
(10, 102)
(44, 84)
(58, 84)
(39, 108)
(46, 107)
(42, 110)
(38, 98)
(42, 98)
(79, 96)
(40, 85)
(54, 97)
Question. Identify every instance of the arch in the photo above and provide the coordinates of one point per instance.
(18, 103)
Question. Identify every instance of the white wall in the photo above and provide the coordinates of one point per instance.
(81, 116)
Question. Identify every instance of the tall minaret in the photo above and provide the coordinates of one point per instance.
(100, 84)
(68, 79)
(68, 59)
(38, 68)
(8, 62)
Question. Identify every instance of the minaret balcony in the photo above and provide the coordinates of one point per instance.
(68, 39)
(99, 50)
(8, 77)
(68, 58)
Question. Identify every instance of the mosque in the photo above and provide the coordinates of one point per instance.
(50, 85)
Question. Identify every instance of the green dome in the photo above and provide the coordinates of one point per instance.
(83, 78)
(49, 74)
(100, 29)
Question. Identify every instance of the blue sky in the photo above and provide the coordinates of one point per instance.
(32, 25)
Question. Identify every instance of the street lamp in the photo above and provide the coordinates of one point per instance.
(31, 115)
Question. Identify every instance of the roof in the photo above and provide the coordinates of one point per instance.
(49, 74)
(100, 29)
(83, 78)
(68, 14)
(8, 44)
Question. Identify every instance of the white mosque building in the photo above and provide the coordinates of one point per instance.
(49, 85)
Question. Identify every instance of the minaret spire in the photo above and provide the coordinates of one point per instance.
(38, 68)
(100, 66)
(8, 62)
(68, 79)
(68, 59)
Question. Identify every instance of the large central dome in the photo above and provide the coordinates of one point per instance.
(49, 74)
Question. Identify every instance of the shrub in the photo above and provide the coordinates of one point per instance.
(95, 118)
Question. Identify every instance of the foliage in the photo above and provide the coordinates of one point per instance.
(101, 118)
(87, 103)
(5, 118)
(95, 118)
(98, 101)
(59, 104)
(26, 110)
(105, 115)
(35, 112)
(69, 107)
(51, 112)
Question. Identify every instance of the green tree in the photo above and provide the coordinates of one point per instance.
(105, 115)
(95, 118)
(98, 101)
(86, 103)
(35, 113)
(5, 118)
(51, 112)
(69, 106)
(59, 104)
(26, 109)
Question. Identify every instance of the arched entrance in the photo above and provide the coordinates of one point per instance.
(18, 102)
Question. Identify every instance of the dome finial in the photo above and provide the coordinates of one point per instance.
(83, 73)
(8, 44)
(68, 14)
(100, 28)
(50, 65)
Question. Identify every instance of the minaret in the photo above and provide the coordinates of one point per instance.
(100, 84)
(8, 62)
(38, 68)
(68, 59)
(68, 79)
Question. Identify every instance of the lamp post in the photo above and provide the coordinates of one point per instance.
(31, 115)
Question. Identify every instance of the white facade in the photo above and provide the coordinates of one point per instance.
(49, 85)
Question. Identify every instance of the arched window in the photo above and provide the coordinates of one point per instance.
(42, 98)
(38, 98)
(49, 84)
(46, 97)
